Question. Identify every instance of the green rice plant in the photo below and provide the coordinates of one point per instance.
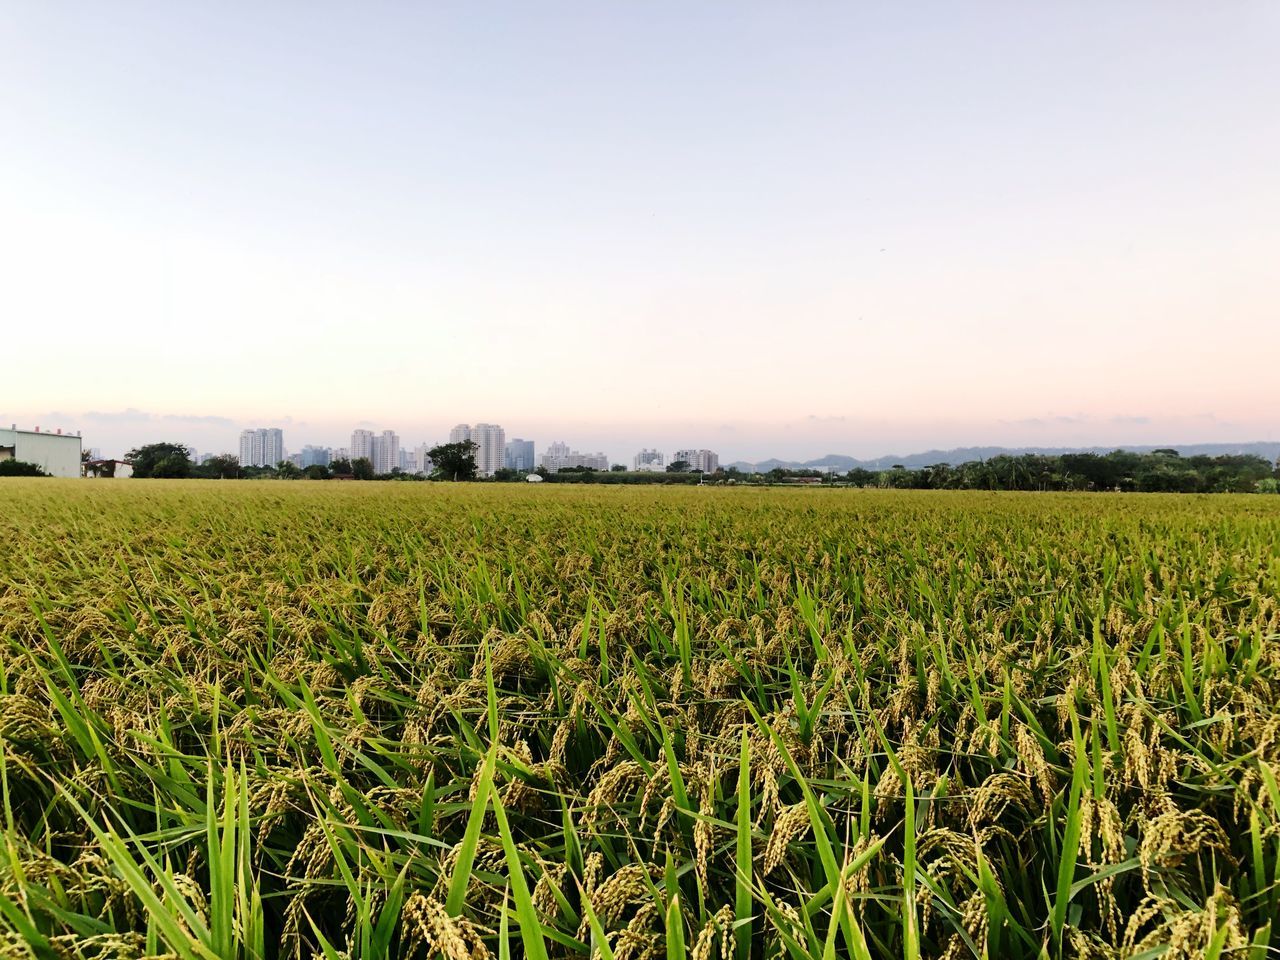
(260, 720)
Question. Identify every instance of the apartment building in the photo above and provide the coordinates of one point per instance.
(261, 446)
(700, 461)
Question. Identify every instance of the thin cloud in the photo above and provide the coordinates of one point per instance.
(1056, 420)
(1136, 420)
(134, 415)
(130, 415)
(198, 418)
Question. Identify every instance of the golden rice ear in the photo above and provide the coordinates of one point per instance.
(427, 923)
(791, 824)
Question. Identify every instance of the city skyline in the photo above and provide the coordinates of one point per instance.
(265, 447)
(769, 231)
(113, 435)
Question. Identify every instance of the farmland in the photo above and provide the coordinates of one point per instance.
(343, 720)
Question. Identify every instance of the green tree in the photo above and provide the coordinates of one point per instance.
(618, 468)
(678, 466)
(340, 467)
(362, 468)
(225, 466)
(160, 460)
(316, 472)
(288, 470)
(20, 468)
(454, 461)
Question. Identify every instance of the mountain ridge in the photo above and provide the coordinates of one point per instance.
(1267, 449)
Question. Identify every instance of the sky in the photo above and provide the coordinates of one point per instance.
(768, 229)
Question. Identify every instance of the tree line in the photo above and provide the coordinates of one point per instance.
(1159, 471)
(172, 461)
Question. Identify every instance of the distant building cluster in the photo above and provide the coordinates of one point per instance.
(559, 457)
(264, 447)
(519, 456)
(382, 450)
(315, 456)
(648, 460)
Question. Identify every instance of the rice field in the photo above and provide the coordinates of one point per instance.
(418, 720)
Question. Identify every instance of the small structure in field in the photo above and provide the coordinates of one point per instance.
(107, 469)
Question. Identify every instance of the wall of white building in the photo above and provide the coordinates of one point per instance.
(57, 454)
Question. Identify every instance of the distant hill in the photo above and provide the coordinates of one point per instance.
(842, 464)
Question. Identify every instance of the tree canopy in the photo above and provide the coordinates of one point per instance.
(160, 460)
(454, 461)
(225, 466)
(1160, 471)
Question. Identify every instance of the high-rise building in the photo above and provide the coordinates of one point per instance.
(519, 455)
(648, 460)
(296, 460)
(491, 441)
(250, 448)
(559, 456)
(361, 445)
(339, 453)
(261, 447)
(385, 452)
(316, 456)
(422, 457)
(272, 446)
(700, 461)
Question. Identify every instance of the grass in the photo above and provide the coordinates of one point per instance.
(357, 721)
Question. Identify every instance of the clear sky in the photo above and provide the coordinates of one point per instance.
(769, 229)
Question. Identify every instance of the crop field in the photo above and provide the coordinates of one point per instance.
(260, 719)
